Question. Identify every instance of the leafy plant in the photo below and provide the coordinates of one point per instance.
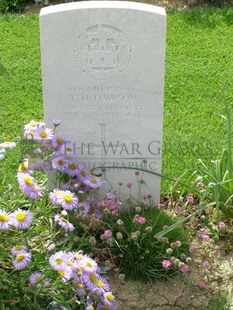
(12, 6)
(138, 252)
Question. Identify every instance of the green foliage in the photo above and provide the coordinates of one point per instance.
(139, 254)
(12, 6)
(214, 178)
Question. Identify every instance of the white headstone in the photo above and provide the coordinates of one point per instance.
(103, 76)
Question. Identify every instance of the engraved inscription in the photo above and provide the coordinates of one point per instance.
(103, 102)
(102, 51)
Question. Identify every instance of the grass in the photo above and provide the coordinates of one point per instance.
(199, 63)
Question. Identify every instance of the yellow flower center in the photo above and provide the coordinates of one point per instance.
(100, 284)
(93, 181)
(79, 270)
(106, 308)
(79, 285)
(23, 167)
(109, 296)
(60, 162)
(67, 198)
(70, 263)
(58, 261)
(21, 216)
(3, 218)
(89, 264)
(78, 256)
(28, 180)
(64, 220)
(61, 273)
(93, 278)
(59, 141)
(20, 257)
(68, 149)
(18, 247)
(83, 173)
(73, 166)
(39, 279)
(43, 134)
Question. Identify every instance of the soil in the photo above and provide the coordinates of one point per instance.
(178, 293)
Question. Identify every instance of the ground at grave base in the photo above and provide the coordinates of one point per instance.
(176, 293)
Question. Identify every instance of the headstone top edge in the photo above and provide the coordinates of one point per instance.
(102, 5)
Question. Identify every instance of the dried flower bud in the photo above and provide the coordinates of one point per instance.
(183, 256)
(169, 251)
(138, 209)
(92, 241)
(120, 222)
(177, 261)
(121, 277)
(148, 229)
(181, 264)
(119, 235)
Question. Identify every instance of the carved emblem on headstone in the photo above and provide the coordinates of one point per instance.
(102, 51)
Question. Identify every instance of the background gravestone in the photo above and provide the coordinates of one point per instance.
(103, 76)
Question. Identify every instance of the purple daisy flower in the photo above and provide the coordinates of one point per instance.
(101, 287)
(68, 200)
(21, 260)
(5, 220)
(60, 163)
(58, 261)
(36, 279)
(57, 141)
(29, 129)
(68, 149)
(8, 145)
(79, 285)
(92, 182)
(18, 249)
(84, 207)
(64, 223)
(72, 168)
(21, 219)
(109, 299)
(42, 134)
(35, 193)
(55, 195)
(88, 264)
(26, 181)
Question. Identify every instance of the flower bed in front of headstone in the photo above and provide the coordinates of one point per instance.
(58, 244)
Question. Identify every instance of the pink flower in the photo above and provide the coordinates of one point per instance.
(192, 248)
(166, 263)
(129, 185)
(178, 209)
(107, 234)
(185, 269)
(140, 220)
(201, 285)
(190, 199)
(207, 264)
(221, 225)
(161, 206)
(145, 196)
(206, 237)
